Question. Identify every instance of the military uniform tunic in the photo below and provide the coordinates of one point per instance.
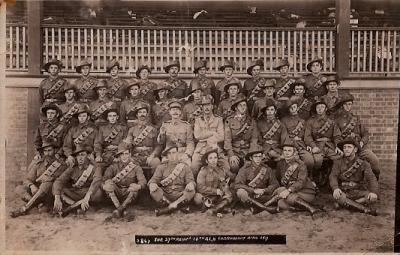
(83, 134)
(98, 107)
(314, 85)
(206, 85)
(116, 89)
(52, 90)
(238, 133)
(85, 86)
(220, 93)
(179, 88)
(283, 88)
(177, 132)
(107, 139)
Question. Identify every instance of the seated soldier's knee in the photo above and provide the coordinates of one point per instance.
(198, 199)
(189, 194)
(278, 190)
(243, 195)
(342, 199)
(108, 186)
(291, 198)
(157, 194)
(282, 205)
(97, 197)
(307, 159)
(46, 187)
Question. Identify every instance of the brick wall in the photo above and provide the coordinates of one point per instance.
(378, 109)
(16, 100)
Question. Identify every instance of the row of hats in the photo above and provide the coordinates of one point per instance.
(197, 65)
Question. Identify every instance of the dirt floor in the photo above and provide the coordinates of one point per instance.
(339, 231)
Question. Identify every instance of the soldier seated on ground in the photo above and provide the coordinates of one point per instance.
(172, 185)
(123, 180)
(39, 181)
(78, 185)
(352, 180)
(212, 186)
(255, 182)
(296, 189)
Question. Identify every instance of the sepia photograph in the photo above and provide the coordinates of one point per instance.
(199, 126)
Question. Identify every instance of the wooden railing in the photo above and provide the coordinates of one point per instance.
(16, 48)
(160, 45)
(375, 51)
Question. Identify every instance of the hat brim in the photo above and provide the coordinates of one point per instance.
(226, 87)
(48, 145)
(166, 69)
(79, 68)
(205, 156)
(47, 65)
(142, 68)
(222, 68)
(342, 143)
(105, 113)
(165, 152)
(52, 107)
(250, 68)
(196, 70)
(276, 68)
(81, 150)
(314, 61)
(108, 70)
(233, 106)
(248, 155)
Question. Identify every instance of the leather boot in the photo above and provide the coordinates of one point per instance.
(165, 210)
(359, 207)
(305, 205)
(260, 207)
(18, 212)
(220, 206)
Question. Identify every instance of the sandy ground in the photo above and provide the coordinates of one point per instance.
(339, 231)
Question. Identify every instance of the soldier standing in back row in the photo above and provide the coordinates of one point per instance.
(86, 83)
(179, 88)
(69, 107)
(192, 109)
(314, 81)
(227, 68)
(206, 84)
(116, 85)
(51, 88)
(128, 106)
(253, 87)
(352, 180)
(146, 86)
(232, 90)
(333, 96)
(284, 82)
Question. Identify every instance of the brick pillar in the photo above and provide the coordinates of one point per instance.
(342, 49)
(35, 11)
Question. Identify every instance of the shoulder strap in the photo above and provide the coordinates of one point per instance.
(175, 173)
(116, 85)
(68, 115)
(121, 175)
(353, 168)
(298, 128)
(272, 130)
(99, 111)
(259, 176)
(84, 177)
(114, 132)
(143, 134)
(325, 127)
(87, 84)
(349, 127)
(83, 135)
(284, 88)
(288, 173)
(49, 172)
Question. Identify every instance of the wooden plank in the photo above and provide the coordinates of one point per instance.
(173, 45)
(92, 46)
(79, 45)
(205, 47)
(277, 48)
(73, 48)
(187, 51)
(301, 51)
(117, 47)
(324, 54)
(210, 48)
(312, 44)
(394, 50)
(155, 50)
(306, 60)
(382, 48)
(85, 43)
(376, 50)
(246, 50)
(364, 50)
(168, 48)
(53, 55)
(98, 62)
(105, 49)
(24, 48)
(289, 45)
(371, 42)
(388, 52)
(192, 55)
(198, 49)
(283, 44)
(295, 52)
(240, 50)
(161, 49)
(358, 51)
(180, 44)
(331, 39)
(319, 47)
(216, 48)
(148, 47)
(130, 49)
(124, 65)
(252, 44)
(352, 52)
(66, 45)
(17, 47)
(136, 49)
(271, 58)
(265, 48)
(234, 46)
(229, 44)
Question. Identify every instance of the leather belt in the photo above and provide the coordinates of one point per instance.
(116, 99)
(323, 139)
(270, 142)
(142, 148)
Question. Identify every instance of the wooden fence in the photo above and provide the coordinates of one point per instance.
(373, 50)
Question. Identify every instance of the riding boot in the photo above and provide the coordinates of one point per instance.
(359, 207)
(260, 207)
(305, 205)
(121, 209)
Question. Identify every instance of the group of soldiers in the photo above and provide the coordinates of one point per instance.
(268, 144)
